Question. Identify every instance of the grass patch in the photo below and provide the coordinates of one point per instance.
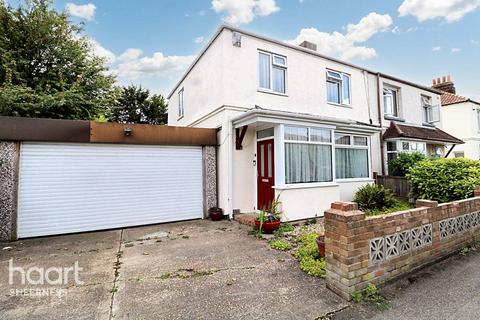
(280, 245)
(400, 205)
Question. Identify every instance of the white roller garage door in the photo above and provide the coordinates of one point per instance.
(65, 188)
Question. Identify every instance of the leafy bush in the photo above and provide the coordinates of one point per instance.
(284, 228)
(308, 255)
(443, 179)
(374, 197)
(404, 161)
(280, 245)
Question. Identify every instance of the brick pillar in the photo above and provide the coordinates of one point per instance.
(9, 154)
(346, 249)
(209, 178)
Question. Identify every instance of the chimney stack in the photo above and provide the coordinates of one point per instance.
(309, 45)
(444, 84)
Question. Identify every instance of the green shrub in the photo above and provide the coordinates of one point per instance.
(443, 179)
(404, 161)
(313, 267)
(308, 256)
(280, 245)
(374, 197)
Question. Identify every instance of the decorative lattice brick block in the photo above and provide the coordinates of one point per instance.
(443, 229)
(426, 234)
(377, 250)
(391, 245)
(452, 226)
(460, 224)
(404, 241)
(416, 237)
(467, 221)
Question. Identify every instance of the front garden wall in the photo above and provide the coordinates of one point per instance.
(362, 250)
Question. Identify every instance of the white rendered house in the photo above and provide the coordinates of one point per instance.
(295, 123)
(461, 118)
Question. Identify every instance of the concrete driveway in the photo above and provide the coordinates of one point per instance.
(187, 270)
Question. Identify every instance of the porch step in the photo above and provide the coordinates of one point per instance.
(245, 218)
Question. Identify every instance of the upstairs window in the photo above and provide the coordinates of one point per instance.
(431, 113)
(338, 87)
(390, 102)
(181, 110)
(272, 72)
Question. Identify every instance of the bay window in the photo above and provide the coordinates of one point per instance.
(316, 155)
(351, 156)
(272, 72)
(308, 155)
(338, 87)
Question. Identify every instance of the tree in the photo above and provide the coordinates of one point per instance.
(47, 68)
(135, 105)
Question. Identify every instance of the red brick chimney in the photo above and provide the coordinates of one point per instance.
(445, 84)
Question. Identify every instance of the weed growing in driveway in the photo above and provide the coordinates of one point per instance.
(279, 245)
(473, 247)
(308, 256)
(114, 289)
(371, 295)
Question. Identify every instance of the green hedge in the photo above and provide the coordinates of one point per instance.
(404, 161)
(443, 179)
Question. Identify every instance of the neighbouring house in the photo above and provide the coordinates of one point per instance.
(297, 124)
(461, 117)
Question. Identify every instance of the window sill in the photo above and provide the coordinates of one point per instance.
(272, 92)
(340, 105)
(306, 185)
(426, 124)
(392, 118)
(355, 180)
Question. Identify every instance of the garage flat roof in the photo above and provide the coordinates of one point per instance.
(59, 130)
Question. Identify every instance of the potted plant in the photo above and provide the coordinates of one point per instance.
(215, 213)
(269, 220)
(321, 246)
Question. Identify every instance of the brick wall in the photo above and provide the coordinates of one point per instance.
(362, 250)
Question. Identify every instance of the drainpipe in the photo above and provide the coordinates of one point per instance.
(450, 150)
(230, 138)
(379, 109)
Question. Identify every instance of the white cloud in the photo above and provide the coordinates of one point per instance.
(455, 50)
(199, 40)
(130, 54)
(156, 65)
(244, 11)
(86, 11)
(475, 42)
(344, 46)
(438, 48)
(102, 52)
(450, 10)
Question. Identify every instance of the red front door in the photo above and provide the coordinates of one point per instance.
(265, 174)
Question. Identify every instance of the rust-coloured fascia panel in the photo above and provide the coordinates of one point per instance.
(107, 132)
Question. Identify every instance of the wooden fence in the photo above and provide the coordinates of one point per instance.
(398, 185)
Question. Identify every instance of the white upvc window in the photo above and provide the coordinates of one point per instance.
(352, 158)
(338, 87)
(308, 155)
(181, 108)
(272, 72)
(478, 119)
(397, 146)
(431, 113)
(390, 102)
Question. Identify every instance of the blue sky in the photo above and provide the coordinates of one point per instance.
(151, 42)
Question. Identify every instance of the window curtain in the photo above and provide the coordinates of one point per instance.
(264, 70)
(278, 80)
(333, 92)
(351, 163)
(307, 163)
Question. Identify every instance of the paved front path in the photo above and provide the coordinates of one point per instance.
(188, 270)
(447, 290)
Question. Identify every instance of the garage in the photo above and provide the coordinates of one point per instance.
(104, 178)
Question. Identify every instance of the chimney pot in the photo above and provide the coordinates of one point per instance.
(309, 45)
(444, 84)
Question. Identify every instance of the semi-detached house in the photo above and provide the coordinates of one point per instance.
(295, 123)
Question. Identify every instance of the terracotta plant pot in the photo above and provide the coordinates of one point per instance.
(268, 226)
(321, 246)
(215, 214)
